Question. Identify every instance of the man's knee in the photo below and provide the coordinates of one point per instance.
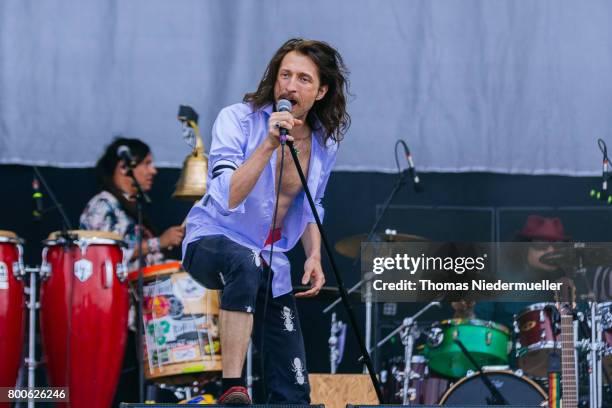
(201, 261)
(241, 280)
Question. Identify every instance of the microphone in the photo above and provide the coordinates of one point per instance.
(416, 181)
(37, 196)
(283, 105)
(125, 154)
(605, 175)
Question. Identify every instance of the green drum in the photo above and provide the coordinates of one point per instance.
(487, 342)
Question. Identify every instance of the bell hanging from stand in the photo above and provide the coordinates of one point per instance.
(191, 185)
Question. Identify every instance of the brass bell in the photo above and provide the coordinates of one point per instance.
(191, 185)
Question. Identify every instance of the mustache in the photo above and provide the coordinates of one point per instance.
(291, 97)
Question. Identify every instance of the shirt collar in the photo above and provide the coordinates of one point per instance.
(267, 109)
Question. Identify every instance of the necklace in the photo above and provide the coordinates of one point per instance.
(296, 145)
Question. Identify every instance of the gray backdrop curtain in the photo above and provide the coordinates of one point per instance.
(519, 86)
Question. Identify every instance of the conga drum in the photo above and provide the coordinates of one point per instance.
(84, 314)
(12, 311)
(181, 326)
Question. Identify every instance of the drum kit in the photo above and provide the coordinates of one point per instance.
(456, 359)
(467, 361)
(84, 304)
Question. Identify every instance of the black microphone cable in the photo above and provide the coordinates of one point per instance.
(269, 277)
(603, 194)
(399, 142)
(416, 180)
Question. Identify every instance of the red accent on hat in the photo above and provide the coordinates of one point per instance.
(549, 229)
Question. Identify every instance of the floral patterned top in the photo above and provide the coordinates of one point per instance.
(104, 213)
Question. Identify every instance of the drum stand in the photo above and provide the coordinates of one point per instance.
(335, 352)
(180, 392)
(407, 329)
(595, 363)
(595, 345)
(32, 305)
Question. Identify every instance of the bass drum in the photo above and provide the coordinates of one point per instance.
(515, 388)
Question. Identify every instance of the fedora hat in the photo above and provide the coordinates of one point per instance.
(548, 229)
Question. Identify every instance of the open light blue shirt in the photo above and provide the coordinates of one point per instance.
(237, 132)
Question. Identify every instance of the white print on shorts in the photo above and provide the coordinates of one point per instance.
(287, 317)
(256, 259)
(298, 369)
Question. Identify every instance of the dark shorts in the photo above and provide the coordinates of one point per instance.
(219, 263)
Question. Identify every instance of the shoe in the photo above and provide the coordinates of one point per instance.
(235, 396)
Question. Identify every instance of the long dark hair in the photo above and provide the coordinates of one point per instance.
(330, 111)
(105, 169)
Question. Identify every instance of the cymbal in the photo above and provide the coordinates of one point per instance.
(578, 256)
(351, 246)
(328, 294)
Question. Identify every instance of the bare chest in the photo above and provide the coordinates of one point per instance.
(290, 183)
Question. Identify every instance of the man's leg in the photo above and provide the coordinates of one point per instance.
(285, 371)
(219, 263)
(235, 331)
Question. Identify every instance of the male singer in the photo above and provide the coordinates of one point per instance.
(251, 211)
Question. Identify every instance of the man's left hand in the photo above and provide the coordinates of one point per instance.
(313, 273)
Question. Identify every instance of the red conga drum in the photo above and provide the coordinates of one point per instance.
(12, 311)
(84, 314)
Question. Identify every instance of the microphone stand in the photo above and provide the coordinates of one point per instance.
(496, 397)
(56, 204)
(407, 329)
(401, 182)
(344, 295)
(141, 197)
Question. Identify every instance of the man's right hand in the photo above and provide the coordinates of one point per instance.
(172, 237)
(279, 120)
